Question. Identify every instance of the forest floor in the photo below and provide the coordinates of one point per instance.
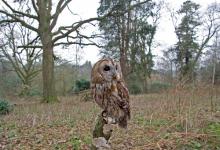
(183, 119)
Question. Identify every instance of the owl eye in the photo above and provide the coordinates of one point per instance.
(106, 68)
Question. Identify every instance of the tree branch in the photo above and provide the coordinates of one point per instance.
(7, 21)
(35, 7)
(30, 46)
(78, 43)
(207, 39)
(18, 12)
(78, 24)
(14, 18)
(59, 10)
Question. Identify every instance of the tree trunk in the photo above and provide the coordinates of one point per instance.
(123, 63)
(26, 87)
(123, 56)
(145, 83)
(49, 93)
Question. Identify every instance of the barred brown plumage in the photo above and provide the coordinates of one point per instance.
(110, 92)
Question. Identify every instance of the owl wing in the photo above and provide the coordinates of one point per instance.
(124, 95)
(119, 106)
(98, 95)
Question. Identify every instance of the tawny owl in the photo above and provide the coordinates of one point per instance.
(110, 92)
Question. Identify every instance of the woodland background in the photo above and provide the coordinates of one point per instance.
(174, 96)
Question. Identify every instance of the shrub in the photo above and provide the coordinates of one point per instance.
(5, 107)
(81, 85)
(135, 88)
(135, 84)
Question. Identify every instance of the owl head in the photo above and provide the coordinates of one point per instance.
(106, 70)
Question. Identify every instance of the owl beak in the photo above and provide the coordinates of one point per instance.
(114, 76)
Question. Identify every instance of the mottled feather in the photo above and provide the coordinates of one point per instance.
(110, 92)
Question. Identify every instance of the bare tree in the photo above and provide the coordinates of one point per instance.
(23, 60)
(45, 16)
(209, 25)
(169, 63)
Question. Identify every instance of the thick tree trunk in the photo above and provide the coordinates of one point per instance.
(49, 93)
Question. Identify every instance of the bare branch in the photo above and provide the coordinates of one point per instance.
(18, 12)
(76, 25)
(7, 21)
(35, 7)
(212, 27)
(14, 18)
(78, 43)
(14, 64)
(60, 7)
(23, 66)
(31, 46)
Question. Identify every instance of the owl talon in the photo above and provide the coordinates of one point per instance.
(105, 120)
(110, 120)
(104, 114)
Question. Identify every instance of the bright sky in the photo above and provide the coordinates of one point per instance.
(87, 8)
